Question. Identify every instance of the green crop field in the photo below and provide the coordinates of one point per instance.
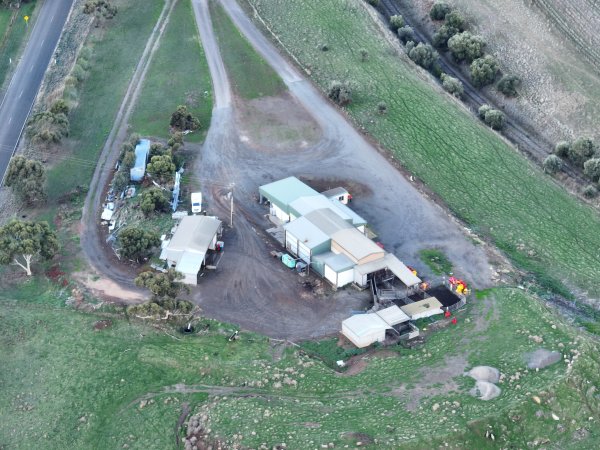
(496, 191)
(115, 52)
(178, 75)
(250, 75)
(12, 38)
(65, 383)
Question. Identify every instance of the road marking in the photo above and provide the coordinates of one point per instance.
(21, 93)
(42, 42)
(31, 68)
(10, 120)
(52, 18)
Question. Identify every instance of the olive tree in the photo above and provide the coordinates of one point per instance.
(591, 168)
(552, 164)
(439, 10)
(484, 70)
(137, 243)
(340, 93)
(492, 117)
(562, 149)
(442, 35)
(424, 55)
(456, 20)
(27, 178)
(508, 85)
(466, 46)
(22, 242)
(452, 85)
(581, 150)
(396, 21)
(406, 34)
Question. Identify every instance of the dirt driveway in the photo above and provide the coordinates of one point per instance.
(250, 287)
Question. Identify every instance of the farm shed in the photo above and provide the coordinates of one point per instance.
(423, 308)
(390, 262)
(339, 194)
(393, 315)
(283, 192)
(142, 150)
(356, 246)
(304, 205)
(338, 269)
(187, 249)
(304, 239)
(365, 329)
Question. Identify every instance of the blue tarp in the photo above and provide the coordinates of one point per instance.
(141, 157)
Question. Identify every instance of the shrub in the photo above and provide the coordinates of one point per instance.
(364, 54)
(484, 70)
(452, 85)
(424, 55)
(439, 10)
(128, 160)
(373, 2)
(590, 191)
(492, 117)
(466, 46)
(455, 19)
(183, 120)
(508, 85)
(396, 22)
(154, 199)
(340, 93)
(591, 168)
(156, 149)
(59, 107)
(381, 107)
(136, 243)
(78, 73)
(406, 34)
(562, 149)
(441, 36)
(121, 180)
(47, 127)
(552, 164)
(161, 168)
(27, 179)
(581, 150)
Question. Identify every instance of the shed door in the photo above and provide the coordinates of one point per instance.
(291, 243)
(331, 275)
(345, 277)
(303, 252)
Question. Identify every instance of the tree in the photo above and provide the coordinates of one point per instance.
(441, 36)
(484, 70)
(382, 108)
(562, 149)
(508, 85)
(100, 9)
(456, 20)
(156, 149)
(27, 178)
(581, 150)
(373, 2)
(452, 85)
(492, 117)
(175, 141)
(59, 107)
(128, 160)
(47, 127)
(591, 168)
(21, 242)
(439, 10)
(163, 286)
(165, 289)
(364, 54)
(590, 191)
(340, 93)
(154, 199)
(121, 180)
(424, 55)
(161, 168)
(552, 164)
(136, 243)
(466, 46)
(406, 34)
(183, 120)
(396, 21)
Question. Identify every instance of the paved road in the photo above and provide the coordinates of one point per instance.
(26, 80)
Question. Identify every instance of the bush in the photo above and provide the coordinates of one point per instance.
(396, 22)
(152, 200)
(373, 2)
(47, 127)
(406, 34)
(136, 243)
(364, 54)
(59, 107)
(27, 178)
(128, 160)
(552, 164)
(581, 150)
(466, 46)
(492, 117)
(340, 93)
(562, 149)
(121, 180)
(156, 149)
(452, 85)
(441, 36)
(161, 168)
(591, 169)
(455, 19)
(424, 55)
(590, 191)
(484, 70)
(439, 10)
(183, 120)
(381, 107)
(508, 85)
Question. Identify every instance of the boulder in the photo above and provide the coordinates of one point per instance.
(484, 373)
(542, 358)
(485, 390)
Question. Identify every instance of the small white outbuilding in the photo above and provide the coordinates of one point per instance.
(365, 329)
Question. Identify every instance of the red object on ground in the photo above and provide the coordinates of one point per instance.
(379, 244)
(447, 314)
(454, 321)
(452, 280)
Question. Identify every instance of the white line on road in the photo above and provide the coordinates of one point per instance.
(21, 93)
(42, 43)
(10, 120)
(31, 68)
(52, 18)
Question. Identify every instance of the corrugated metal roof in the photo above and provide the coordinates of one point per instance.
(328, 221)
(423, 308)
(362, 324)
(283, 192)
(306, 232)
(136, 173)
(194, 234)
(393, 315)
(335, 192)
(337, 262)
(190, 262)
(304, 205)
(356, 244)
(392, 263)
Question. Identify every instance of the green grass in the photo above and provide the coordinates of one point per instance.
(56, 370)
(115, 52)
(178, 75)
(14, 37)
(496, 191)
(250, 76)
(437, 261)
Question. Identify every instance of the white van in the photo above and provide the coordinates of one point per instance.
(196, 202)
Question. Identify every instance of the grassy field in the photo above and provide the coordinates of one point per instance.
(77, 386)
(116, 51)
(486, 183)
(178, 75)
(11, 39)
(250, 75)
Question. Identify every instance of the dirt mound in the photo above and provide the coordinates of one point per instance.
(102, 324)
(485, 390)
(542, 358)
(484, 373)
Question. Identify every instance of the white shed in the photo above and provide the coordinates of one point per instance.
(365, 329)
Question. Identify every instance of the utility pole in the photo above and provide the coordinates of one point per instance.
(231, 208)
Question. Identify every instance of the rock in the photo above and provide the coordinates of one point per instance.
(485, 390)
(435, 407)
(484, 373)
(555, 417)
(542, 358)
(537, 399)
(536, 339)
